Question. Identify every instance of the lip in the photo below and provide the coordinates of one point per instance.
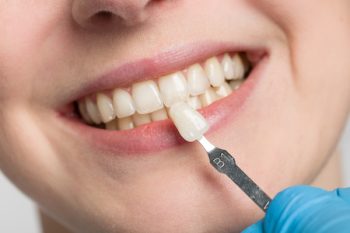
(161, 135)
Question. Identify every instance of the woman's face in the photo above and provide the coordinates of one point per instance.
(283, 121)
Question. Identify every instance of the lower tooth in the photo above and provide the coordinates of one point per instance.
(208, 97)
(112, 125)
(194, 102)
(125, 123)
(159, 115)
(235, 84)
(141, 119)
(224, 90)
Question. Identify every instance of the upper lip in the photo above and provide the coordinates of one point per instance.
(163, 63)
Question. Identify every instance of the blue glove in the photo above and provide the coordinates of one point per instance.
(304, 209)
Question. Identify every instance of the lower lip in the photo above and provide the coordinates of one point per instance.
(161, 135)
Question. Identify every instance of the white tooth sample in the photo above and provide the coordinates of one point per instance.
(141, 119)
(93, 112)
(146, 97)
(190, 123)
(208, 97)
(194, 102)
(197, 80)
(238, 66)
(173, 88)
(159, 115)
(123, 103)
(125, 123)
(235, 84)
(105, 107)
(214, 72)
(112, 125)
(83, 112)
(227, 66)
(224, 90)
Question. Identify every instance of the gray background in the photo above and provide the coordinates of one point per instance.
(18, 214)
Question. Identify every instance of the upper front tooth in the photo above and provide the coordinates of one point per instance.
(92, 110)
(227, 66)
(214, 72)
(105, 106)
(146, 97)
(173, 88)
(123, 103)
(83, 112)
(238, 67)
(197, 80)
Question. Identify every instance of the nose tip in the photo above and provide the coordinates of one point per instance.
(127, 12)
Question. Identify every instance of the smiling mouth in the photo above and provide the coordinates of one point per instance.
(144, 102)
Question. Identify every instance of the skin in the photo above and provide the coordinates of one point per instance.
(288, 128)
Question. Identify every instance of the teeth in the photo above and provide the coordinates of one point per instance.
(214, 72)
(112, 125)
(150, 100)
(159, 115)
(238, 67)
(125, 123)
(190, 123)
(141, 119)
(123, 103)
(208, 97)
(197, 80)
(224, 90)
(83, 112)
(92, 110)
(105, 107)
(194, 102)
(227, 66)
(147, 97)
(235, 84)
(173, 88)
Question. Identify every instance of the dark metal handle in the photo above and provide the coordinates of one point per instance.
(225, 163)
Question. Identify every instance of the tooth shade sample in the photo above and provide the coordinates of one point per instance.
(159, 115)
(125, 123)
(105, 107)
(190, 123)
(112, 125)
(123, 103)
(197, 80)
(93, 112)
(83, 112)
(141, 119)
(238, 67)
(224, 90)
(194, 102)
(227, 66)
(214, 72)
(208, 97)
(146, 97)
(173, 88)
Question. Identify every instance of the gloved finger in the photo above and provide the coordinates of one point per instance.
(255, 228)
(343, 193)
